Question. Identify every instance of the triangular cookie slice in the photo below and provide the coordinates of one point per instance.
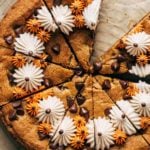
(73, 129)
(77, 20)
(132, 95)
(34, 33)
(110, 120)
(35, 116)
(22, 76)
(130, 54)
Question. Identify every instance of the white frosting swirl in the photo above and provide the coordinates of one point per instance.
(141, 103)
(46, 20)
(29, 44)
(65, 132)
(64, 18)
(91, 13)
(120, 121)
(141, 71)
(90, 137)
(137, 43)
(51, 110)
(129, 111)
(28, 77)
(143, 87)
(104, 131)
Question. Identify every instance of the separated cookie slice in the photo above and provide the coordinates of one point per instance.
(73, 131)
(132, 99)
(111, 123)
(130, 54)
(22, 76)
(77, 20)
(31, 120)
(34, 33)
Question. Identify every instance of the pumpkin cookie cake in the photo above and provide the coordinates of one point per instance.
(52, 98)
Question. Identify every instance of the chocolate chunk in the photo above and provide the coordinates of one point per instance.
(70, 101)
(79, 85)
(97, 66)
(53, 146)
(107, 111)
(61, 147)
(84, 113)
(79, 71)
(106, 85)
(124, 84)
(56, 48)
(126, 97)
(41, 136)
(20, 111)
(115, 66)
(48, 59)
(12, 115)
(16, 104)
(47, 82)
(9, 39)
(80, 99)
(57, 2)
(18, 29)
(121, 58)
(73, 108)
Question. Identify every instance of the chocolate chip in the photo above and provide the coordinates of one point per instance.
(70, 101)
(57, 2)
(79, 85)
(16, 104)
(143, 104)
(124, 84)
(107, 111)
(48, 59)
(123, 116)
(47, 82)
(56, 48)
(41, 136)
(115, 66)
(61, 147)
(73, 108)
(9, 39)
(48, 111)
(80, 99)
(12, 115)
(20, 111)
(121, 58)
(61, 131)
(126, 97)
(84, 113)
(79, 71)
(106, 85)
(53, 146)
(97, 66)
(18, 30)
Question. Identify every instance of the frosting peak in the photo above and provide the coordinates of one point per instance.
(46, 20)
(141, 104)
(65, 132)
(120, 121)
(137, 43)
(64, 18)
(29, 77)
(50, 110)
(29, 44)
(141, 71)
(103, 133)
(91, 13)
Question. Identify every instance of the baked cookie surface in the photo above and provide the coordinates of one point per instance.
(52, 97)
